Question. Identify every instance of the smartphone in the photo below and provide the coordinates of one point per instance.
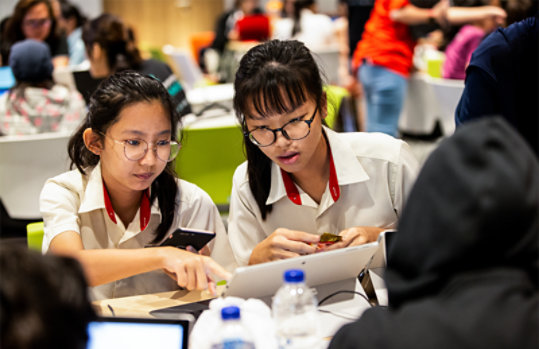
(183, 237)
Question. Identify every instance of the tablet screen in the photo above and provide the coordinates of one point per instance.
(137, 333)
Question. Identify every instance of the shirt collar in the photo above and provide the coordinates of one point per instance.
(347, 168)
(96, 197)
(144, 207)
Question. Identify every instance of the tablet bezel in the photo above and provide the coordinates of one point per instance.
(183, 321)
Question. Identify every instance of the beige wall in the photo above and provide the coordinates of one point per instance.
(160, 22)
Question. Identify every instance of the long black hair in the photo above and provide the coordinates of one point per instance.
(275, 77)
(69, 10)
(115, 93)
(109, 32)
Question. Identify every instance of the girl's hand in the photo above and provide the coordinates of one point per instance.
(282, 244)
(205, 251)
(191, 271)
(356, 236)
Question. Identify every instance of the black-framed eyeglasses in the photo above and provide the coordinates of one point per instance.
(293, 130)
(136, 149)
(35, 23)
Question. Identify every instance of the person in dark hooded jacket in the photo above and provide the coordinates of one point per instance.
(463, 268)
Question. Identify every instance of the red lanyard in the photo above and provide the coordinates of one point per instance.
(293, 193)
(144, 207)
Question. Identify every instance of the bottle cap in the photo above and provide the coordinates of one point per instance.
(230, 313)
(294, 275)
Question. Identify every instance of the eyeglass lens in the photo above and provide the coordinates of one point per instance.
(165, 150)
(295, 130)
(36, 22)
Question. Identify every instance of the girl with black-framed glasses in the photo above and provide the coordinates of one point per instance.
(302, 179)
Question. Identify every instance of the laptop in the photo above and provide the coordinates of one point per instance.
(325, 271)
(7, 80)
(138, 333)
(85, 83)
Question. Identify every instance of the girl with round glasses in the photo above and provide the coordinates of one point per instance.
(124, 196)
(301, 179)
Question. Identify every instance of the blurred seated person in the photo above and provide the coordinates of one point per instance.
(71, 22)
(44, 301)
(36, 104)
(459, 51)
(34, 19)
(502, 79)
(110, 48)
(314, 29)
(463, 267)
(221, 62)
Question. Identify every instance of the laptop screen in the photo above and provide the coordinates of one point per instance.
(135, 333)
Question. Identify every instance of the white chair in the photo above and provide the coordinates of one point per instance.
(26, 162)
(447, 93)
(430, 100)
(420, 110)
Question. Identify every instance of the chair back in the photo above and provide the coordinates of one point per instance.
(26, 162)
(198, 41)
(447, 93)
(34, 235)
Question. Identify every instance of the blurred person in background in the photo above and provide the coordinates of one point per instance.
(71, 21)
(383, 57)
(221, 62)
(44, 301)
(34, 19)
(36, 104)
(225, 29)
(459, 51)
(314, 29)
(110, 47)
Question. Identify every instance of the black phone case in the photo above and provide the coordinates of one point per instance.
(181, 238)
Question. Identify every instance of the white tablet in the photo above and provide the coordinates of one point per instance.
(324, 271)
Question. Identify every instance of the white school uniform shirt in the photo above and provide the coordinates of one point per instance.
(375, 173)
(73, 201)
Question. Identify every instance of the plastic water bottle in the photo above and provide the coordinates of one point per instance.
(295, 313)
(233, 335)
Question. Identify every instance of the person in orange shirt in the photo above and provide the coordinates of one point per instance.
(383, 57)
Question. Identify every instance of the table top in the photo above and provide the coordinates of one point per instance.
(141, 305)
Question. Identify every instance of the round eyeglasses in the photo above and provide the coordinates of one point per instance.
(136, 149)
(293, 130)
(37, 22)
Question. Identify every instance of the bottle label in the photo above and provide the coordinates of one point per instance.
(234, 344)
